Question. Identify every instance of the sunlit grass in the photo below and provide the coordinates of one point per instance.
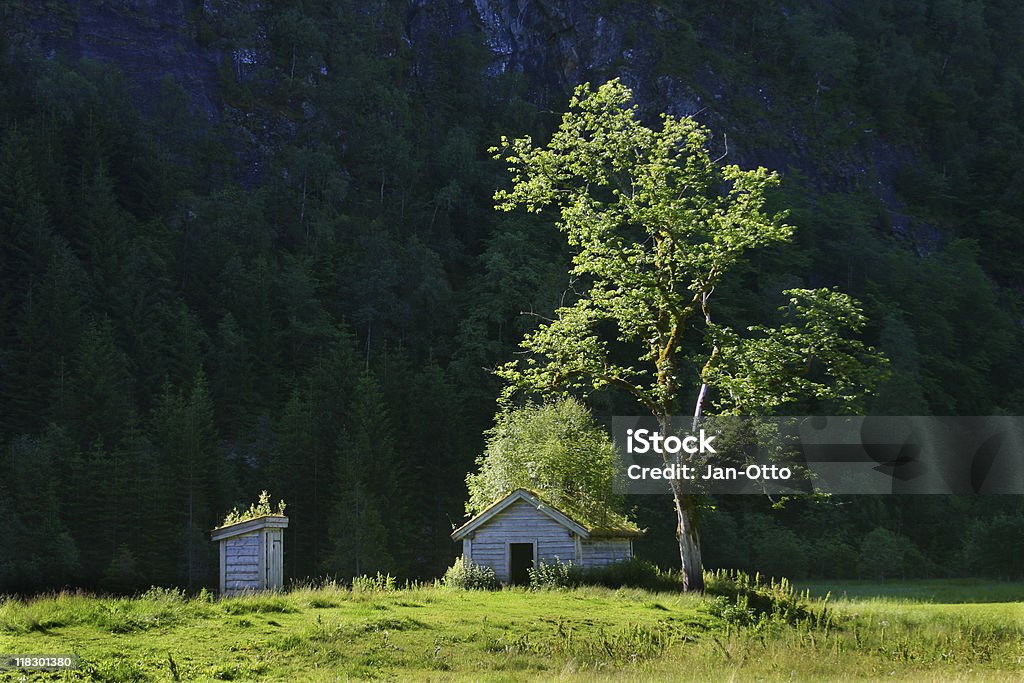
(430, 633)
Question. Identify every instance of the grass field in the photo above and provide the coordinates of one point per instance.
(906, 631)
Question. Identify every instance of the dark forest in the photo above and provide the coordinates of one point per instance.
(276, 264)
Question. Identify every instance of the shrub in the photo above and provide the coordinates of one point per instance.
(995, 547)
(832, 558)
(466, 575)
(557, 574)
(750, 599)
(736, 613)
(379, 583)
(780, 552)
(885, 554)
(632, 573)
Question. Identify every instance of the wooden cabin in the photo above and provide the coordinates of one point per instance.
(521, 530)
(252, 554)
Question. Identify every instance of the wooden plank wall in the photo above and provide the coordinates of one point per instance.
(242, 563)
(604, 551)
(520, 523)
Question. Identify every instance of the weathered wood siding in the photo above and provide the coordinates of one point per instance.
(251, 554)
(519, 523)
(275, 558)
(598, 552)
(244, 563)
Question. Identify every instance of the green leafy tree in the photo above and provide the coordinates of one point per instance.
(655, 224)
(555, 449)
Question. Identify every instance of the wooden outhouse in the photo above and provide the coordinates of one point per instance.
(521, 530)
(252, 554)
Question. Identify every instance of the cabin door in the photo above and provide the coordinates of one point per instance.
(520, 562)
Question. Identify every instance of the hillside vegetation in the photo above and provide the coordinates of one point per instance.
(301, 289)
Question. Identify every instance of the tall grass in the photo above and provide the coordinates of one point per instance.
(748, 599)
(744, 628)
(154, 608)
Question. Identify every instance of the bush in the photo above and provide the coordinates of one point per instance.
(780, 552)
(379, 583)
(885, 554)
(736, 613)
(465, 575)
(750, 599)
(832, 558)
(995, 547)
(632, 573)
(557, 574)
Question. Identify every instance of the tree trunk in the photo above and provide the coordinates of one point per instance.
(689, 541)
(686, 520)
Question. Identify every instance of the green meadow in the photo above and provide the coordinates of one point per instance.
(905, 631)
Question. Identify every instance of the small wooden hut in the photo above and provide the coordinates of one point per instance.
(521, 530)
(252, 554)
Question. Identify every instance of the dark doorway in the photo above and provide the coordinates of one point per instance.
(520, 562)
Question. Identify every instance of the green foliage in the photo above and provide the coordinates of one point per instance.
(651, 236)
(555, 449)
(655, 226)
(885, 554)
(363, 537)
(817, 358)
(261, 508)
(633, 573)
(378, 583)
(551, 575)
(779, 551)
(467, 575)
(747, 599)
(996, 547)
(186, 308)
(654, 237)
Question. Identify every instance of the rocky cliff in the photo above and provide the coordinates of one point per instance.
(555, 43)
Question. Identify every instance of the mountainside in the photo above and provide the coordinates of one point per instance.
(251, 245)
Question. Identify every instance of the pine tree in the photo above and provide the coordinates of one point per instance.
(44, 552)
(98, 395)
(186, 439)
(362, 539)
(25, 246)
(303, 462)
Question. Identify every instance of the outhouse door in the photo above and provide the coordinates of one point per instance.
(273, 564)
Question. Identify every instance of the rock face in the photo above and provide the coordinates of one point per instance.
(149, 40)
(555, 43)
(559, 43)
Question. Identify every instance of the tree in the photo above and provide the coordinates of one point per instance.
(41, 551)
(655, 225)
(555, 449)
(363, 539)
(186, 437)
